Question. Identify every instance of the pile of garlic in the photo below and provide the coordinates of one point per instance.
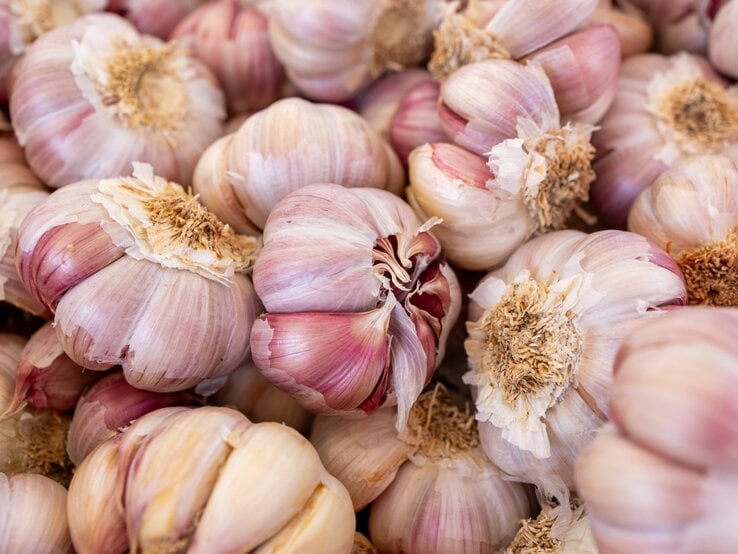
(371, 276)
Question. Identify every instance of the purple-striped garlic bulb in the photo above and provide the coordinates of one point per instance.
(543, 334)
(723, 40)
(425, 484)
(154, 17)
(630, 23)
(92, 97)
(666, 109)
(139, 274)
(292, 143)
(359, 300)
(232, 40)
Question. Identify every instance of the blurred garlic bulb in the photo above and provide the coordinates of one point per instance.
(543, 333)
(232, 40)
(20, 191)
(359, 301)
(724, 40)
(251, 394)
(681, 25)
(108, 407)
(666, 109)
(154, 17)
(33, 516)
(291, 144)
(183, 479)
(402, 108)
(537, 173)
(692, 212)
(431, 487)
(92, 97)
(332, 49)
(153, 281)
(630, 23)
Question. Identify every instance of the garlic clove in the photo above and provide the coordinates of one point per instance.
(417, 121)
(723, 42)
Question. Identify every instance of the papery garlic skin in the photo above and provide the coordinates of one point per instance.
(289, 145)
(543, 333)
(723, 42)
(94, 96)
(154, 17)
(33, 515)
(666, 109)
(170, 302)
(332, 50)
(372, 315)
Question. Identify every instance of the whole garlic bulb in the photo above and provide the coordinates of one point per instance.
(232, 40)
(332, 49)
(359, 302)
(724, 41)
(154, 17)
(33, 515)
(292, 143)
(139, 274)
(92, 97)
(543, 333)
(663, 478)
(431, 487)
(630, 23)
(537, 172)
(183, 479)
(666, 109)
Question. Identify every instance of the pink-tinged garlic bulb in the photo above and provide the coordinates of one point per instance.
(332, 49)
(543, 333)
(663, 478)
(292, 143)
(139, 274)
(724, 40)
(692, 212)
(666, 109)
(33, 516)
(182, 479)
(248, 392)
(359, 301)
(630, 23)
(232, 40)
(20, 192)
(402, 108)
(537, 173)
(154, 17)
(92, 97)
(108, 407)
(426, 483)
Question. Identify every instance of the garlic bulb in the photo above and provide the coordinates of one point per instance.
(359, 302)
(248, 392)
(537, 173)
(332, 49)
(291, 144)
(692, 212)
(666, 109)
(232, 41)
(94, 96)
(543, 333)
(109, 406)
(20, 191)
(681, 25)
(154, 17)
(723, 40)
(153, 281)
(432, 488)
(630, 23)
(33, 516)
(183, 479)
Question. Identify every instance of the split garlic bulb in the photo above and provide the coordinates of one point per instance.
(431, 487)
(666, 109)
(359, 302)
(207, 480)
(139, 274)
(232, 40)
(723, 40)
(92, 97)
(332, 49)
(291, 144)
(630, 23)
(692, 212)
(154, 17)
(664, 477)
(543, 333)
(536, 174)
(33, 516)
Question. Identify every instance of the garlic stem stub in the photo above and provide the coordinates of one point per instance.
(92, 97)
(138, 273)
(368, 321)
(154, 17)
(543, 334)
(182, 480)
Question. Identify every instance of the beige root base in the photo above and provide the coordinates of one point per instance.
(362, 545)
(42, 437)
(399, 39)
(534, 537)
(711, 272)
